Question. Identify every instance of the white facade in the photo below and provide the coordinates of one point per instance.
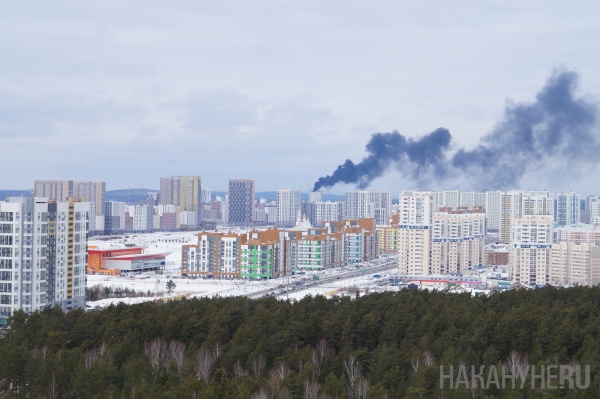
(315, 196)
(568, 209)
(574, 264)
(142, 216)
(457, 241)
(322, 211)
(517, 204)
(530, 250)
(206, 195)
(288, 205)
(43, 254)
(594, 208)
(493, 210)
(414, 234)
(368, 204)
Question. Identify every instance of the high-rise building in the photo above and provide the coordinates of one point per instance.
(315, 196)
(206, 195)
(593, 204)
(114, 219)
(516, 204)
(368, 204)
(43, 254)
(288, 205)
(321, 211)
(493, 210)
(87, 191)
(530, 250)
(568, 209)
(185, 192)
(241, 201)
(414, 232)
(451, 199)
(457, 241)
(575, 264)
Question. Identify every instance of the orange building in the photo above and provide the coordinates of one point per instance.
(97, 258)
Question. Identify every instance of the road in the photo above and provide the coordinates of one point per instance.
(375, 266)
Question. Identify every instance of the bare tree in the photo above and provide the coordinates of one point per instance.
(205, 359)
(322, 347)
(258, 365)
(414, 364)
(103, 349)
(284, 393)
(177, 352)
(428, 357)
(352, 369)
(515, 361)
(263, 393)
(361, 389)
(238, 370)
(156, 350)
(280, 371)
(52, 388)
(89, 358)
(311, 389)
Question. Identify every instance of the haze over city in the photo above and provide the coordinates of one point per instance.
(127, 93)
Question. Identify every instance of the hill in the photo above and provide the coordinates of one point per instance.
(14, 193)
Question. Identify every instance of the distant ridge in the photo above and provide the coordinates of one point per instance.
(129, 195)
(140, 194)
(14, 193)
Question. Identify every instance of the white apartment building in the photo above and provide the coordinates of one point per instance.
(368, 204)
(448, 199)
(414, 234)
(530, 250)
(321, 211)
(493, 210)
(315, 196)
(43, 254)
(568, 209)
(289, 203)
(517, 204)
(593, 204)
(143, 217)
(457, 242)
(575, 264)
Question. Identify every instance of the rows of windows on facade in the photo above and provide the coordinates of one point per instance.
(38, 267)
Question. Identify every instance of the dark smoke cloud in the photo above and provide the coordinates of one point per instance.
(386, 149)
(557, 125)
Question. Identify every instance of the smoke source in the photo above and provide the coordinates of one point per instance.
(556, 125)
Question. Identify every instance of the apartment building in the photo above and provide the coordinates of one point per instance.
(568, 209)
(457, 241)
(368, 204)
(414, 232)
(530, 250)
(289, 203)
(43, 254)
(241, 201)
(517, 204)
(185, 192)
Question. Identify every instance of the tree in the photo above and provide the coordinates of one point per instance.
(171, 286)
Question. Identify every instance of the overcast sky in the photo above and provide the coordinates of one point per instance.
(281, 92)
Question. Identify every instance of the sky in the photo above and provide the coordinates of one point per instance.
(276, 91)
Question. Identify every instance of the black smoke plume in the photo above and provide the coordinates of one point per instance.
(557, 125)
(386, 149)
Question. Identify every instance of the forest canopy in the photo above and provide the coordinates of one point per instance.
(374, 346)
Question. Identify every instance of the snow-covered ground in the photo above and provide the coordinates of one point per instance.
(351, 278)
(172, 242)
